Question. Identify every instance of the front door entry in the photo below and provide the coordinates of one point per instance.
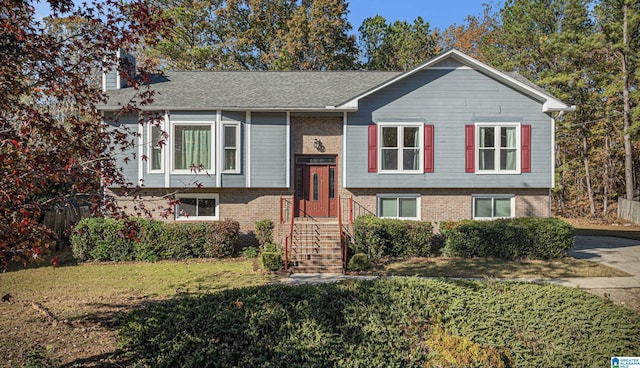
(315, 178)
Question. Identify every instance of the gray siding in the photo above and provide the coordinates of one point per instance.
(268, 150)
(188, 180)
(235, 180)
(127, 159)
(448, 99)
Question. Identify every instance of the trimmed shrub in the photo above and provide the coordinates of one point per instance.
(264, 232)
(532, 238)
(379, 238)
(271, 261)
(359, 262)
(223, 239)
(147, 240)
(102, 240)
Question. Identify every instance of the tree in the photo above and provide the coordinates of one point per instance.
(51, 133)
(396, 46)
(316, 38)
(476, 37)
(191, 42)
(257, 35)
(619, 21)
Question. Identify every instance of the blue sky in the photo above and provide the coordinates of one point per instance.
(439, 14)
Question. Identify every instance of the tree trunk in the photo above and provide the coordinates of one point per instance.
(587, 175)
(605, 176)
(628, 150)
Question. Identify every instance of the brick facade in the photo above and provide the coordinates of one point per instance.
(327, 129)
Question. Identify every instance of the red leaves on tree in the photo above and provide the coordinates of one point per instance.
(53, 145)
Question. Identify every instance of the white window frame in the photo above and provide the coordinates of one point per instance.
(400, 170)
(493, 197)
(150, 148)
(497, 148)
(417, 197)
(236, 125)
(211, 125)
(192, 217)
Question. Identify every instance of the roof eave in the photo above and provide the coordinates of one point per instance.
(237, 108)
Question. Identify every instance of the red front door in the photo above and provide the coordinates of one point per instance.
(315, 190)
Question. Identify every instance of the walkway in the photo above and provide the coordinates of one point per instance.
(623, 254)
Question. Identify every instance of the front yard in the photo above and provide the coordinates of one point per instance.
(74, 314)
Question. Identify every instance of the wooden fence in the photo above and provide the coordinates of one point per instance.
(60, 220)
(629, 210)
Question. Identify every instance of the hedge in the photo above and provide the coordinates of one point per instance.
(379, 238)
(532, 238)
(138, 239)
(398, 322)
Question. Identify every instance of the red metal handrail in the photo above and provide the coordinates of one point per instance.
(293, 216)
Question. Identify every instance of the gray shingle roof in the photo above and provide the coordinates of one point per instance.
(255, 90)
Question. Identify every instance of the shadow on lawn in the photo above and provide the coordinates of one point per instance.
(65, 259)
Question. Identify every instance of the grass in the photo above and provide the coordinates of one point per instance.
(497, 268)
(586, 228)
(88, 297)
(75, 287)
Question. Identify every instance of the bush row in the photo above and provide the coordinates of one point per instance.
(532, 238)
(379, 238)
(147, 240)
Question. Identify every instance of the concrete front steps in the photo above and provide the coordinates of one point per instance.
(316, 246)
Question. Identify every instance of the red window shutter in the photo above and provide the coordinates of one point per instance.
(428, 148)
(373, 148)
(469, 143)
(525, 148)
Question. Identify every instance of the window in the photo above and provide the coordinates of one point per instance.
(406, 206)
(401, 147)
(498, 147)
(193, 147)
(231, 151)
(197, 207)
(156, 158)
(490, 207)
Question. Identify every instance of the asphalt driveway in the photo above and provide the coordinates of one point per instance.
(620, 253)
(623, 254)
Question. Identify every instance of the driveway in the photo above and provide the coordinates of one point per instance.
(623, 254)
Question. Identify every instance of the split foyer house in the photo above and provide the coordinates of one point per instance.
(450, 139)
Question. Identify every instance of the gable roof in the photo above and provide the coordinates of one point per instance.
(513, 80)
(301, 90)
